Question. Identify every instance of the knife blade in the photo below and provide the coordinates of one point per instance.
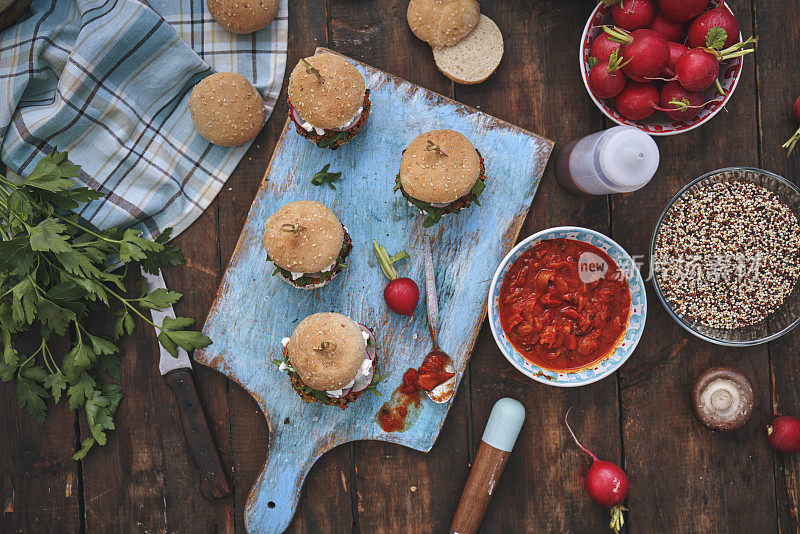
(177, 372)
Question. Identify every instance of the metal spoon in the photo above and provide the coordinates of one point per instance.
(444, 391)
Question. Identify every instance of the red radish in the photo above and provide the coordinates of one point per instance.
(714, 18)
(681, 10)
(606, 483)
(605, 80)
(676, 50)
(680, 104)
(602, 47)
(672, 31)
(793, 139)
(784, 434)
(401, 294)
(637, 101)
(698, 69)
(645, 52)
(631, 14)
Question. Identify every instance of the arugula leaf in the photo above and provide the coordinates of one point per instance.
(325, 177)
(328, 142)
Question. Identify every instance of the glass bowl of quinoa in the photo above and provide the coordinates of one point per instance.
(725, 256)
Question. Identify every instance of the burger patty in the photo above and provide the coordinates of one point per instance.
(332, 139)
(301, 389)
(454, 207)
(347, 247)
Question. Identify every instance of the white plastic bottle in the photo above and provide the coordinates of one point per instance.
(618, 160)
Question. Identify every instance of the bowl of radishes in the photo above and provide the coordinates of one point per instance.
(662, 66)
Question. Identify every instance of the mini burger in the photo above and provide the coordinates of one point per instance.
(441, 172)
(330, 359)
(307, 244)
(328, 101)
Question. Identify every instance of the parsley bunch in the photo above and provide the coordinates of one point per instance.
(56, 268)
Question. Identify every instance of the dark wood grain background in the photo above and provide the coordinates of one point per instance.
(683, 477)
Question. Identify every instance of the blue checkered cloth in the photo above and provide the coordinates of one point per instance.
(109, 81)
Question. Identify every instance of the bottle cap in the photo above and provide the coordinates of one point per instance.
(628, 158)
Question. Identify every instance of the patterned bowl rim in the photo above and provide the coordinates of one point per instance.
(632, 335)
(669, 130)
(657, 287)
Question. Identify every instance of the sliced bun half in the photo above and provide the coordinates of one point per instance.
(442, 22)
(327, 91)
(431, 176)
(475, 57)
(303, 237)
(326, 350)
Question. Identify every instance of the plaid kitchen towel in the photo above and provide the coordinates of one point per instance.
(109, 81)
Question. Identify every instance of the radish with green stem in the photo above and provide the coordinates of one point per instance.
(401, 294)
(680, 104)
(698, 69)
(646, 52)
(602, 47)
(793, 139)
(714, 18)
(605, 80)
(606, 483)
(631, 14)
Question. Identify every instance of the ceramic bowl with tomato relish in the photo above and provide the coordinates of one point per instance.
(567, 306)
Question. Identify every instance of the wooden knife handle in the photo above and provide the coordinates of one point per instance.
(198, 436)
(486, 470)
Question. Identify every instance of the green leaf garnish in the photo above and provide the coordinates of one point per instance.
(592, 61)
(56, 268)
(387, 262)
(325, 177)
(328, 142)
(716, 37)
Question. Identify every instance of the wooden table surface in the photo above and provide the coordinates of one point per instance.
(684, 478)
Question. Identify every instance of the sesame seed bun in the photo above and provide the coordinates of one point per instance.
(226, 109)
(330, 369)
(442, 22)
(243, 16)
(334, 102)
(430, 176)
(313, 247)
(475, 57)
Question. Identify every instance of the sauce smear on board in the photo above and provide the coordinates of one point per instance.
(392, 415)
(564, 305)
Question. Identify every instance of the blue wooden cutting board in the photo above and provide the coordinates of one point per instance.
(254, 310)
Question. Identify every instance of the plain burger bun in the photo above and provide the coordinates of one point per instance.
(332, 100)
(442, 22)
(430, 176)
(226, 109)
(475, 57)
(326, 350)
(303, 237)
(243, 16)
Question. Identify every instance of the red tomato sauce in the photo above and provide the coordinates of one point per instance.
(392, 415)
(553, 318)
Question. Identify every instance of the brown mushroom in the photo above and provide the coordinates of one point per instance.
(722, 398)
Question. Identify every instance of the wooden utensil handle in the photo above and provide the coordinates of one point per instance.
(198, 436)
(485, 473)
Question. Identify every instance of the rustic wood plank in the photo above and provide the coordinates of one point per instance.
(39, 481)
(777, 55)
(424, 487)
(683, 476)
(538, 86)
(145, 475)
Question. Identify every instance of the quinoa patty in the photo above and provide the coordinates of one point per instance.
(332, 139)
